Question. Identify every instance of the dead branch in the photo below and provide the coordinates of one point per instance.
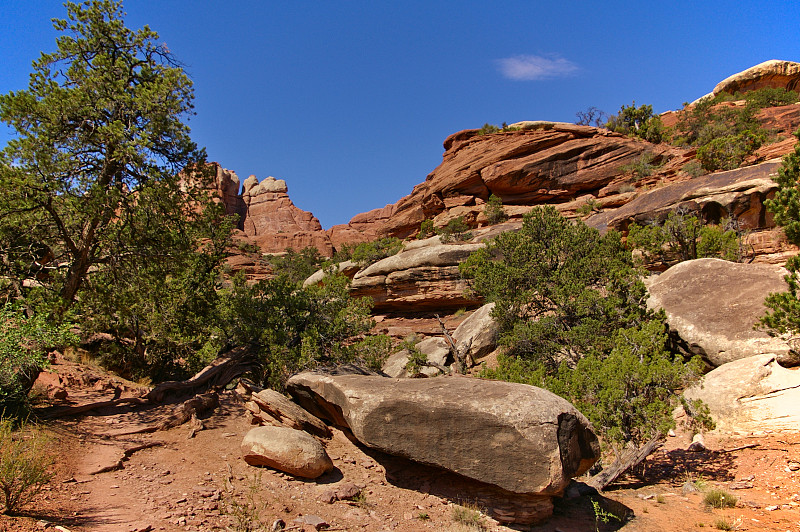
(219, 373)
(460, 356)
(194, 407)
(748, 446)
(624, 463)
(80, 409)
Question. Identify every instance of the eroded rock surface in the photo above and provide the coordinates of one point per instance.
(773, 73)
(523, 439)
(712, 306)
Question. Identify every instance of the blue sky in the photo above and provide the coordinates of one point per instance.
(349, 101)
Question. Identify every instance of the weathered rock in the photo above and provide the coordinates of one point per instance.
(288, 450)
(281, 409)
(347, 268)
(435, 350)
(712, 306)
(479, 331)
(275, 223)
(520, 438)
(772, 73)
(751, 394)
(417, 278)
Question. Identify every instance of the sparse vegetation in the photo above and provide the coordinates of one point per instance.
(601, 515)
(367, 253)
(638, 122)
(592, 116)
(643, 166)
(468, 515)
(488, 129)
(297, 266)
(245, 511)
(719, 498)
(25, 464)
(426, 229)
(456, 229)
(494, 211)
(587, 208)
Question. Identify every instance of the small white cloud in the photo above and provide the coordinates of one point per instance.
(535, 67)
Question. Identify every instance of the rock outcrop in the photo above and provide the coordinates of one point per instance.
(285, 449)
(522, 439)
(751, 394)
(478, 332)
(712, 306)
(772, 74)
(422, 277)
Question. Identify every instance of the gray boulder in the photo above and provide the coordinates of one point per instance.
(523, 439)
(751, 394)
(435, 350)
(285, 449)
(712, 306)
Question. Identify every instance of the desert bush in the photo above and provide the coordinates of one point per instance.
(643, 166)
(366, 253)
(426, 229)
(468, 516)
(638, 122)
(684, 237)
(494, 211)
(297, 266)
(372, 351)
(488, 129)
(456, 229)
(719, 498)
(24, 464)
(24, 343)
(571, 310)
(587, 208)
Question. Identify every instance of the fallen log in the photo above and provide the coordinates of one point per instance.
(625, 463)
(80, 409)
(188, 410)
(217, 374)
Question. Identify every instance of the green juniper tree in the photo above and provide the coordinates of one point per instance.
(95, 213)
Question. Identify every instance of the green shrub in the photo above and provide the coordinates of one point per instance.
(572, 315)
(684, 237)
(24, 464)
(494, 211)
(587, 208)
(24, 342)
(638, 122)
(488, 129)
(719, 498)
(642, 166)
(297, 266)
(372, 351)
(426, 229)
(456, 229)
(729, 152)
(367, 253)
(468, 516)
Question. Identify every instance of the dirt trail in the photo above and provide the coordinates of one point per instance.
(168, 481)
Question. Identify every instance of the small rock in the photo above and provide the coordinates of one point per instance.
(771, 508)
(278, 525)
(314, 520)
(793, 466)
(697, 444)
(689, 487)
(671, 433)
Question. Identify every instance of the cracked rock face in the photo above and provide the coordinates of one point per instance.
(520, 438)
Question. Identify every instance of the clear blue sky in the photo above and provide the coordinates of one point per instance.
(349, 101)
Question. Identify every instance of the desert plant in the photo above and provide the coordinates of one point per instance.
(468, 515)
(638, 122)
(372, 351)
(643, 166)
(245, 512)
(587, 208)
(693, 168)
(456, 229)
(719, 498)
(24, 464)
(601, 515)
(494, 211)
(592, 116)
(366, 253)
(488, 129)
(426, 229)
(699, 416)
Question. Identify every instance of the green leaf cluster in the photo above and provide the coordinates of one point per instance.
(298, 266)
(24, 343)
(455, 230)
(571, 310)
(682, 236)
(290, 329)
(638, 122)
(366, 253)
(494, 211)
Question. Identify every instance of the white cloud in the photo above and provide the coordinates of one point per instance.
(536, 67)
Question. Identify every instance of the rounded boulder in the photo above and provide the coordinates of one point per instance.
(288, 450)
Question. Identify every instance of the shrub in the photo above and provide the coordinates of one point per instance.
(24, 465)
(592, 116)
(24, 342)
(587, 208)
(684, 237)
(638, 122)
(372, 351)
(297, 266)
(469, 516)
(719, 498)
(494, 211)
(642, 166)
(571, 310)
(367, 253)
(426, 229)
(729, 152)
(488, 129)
(456, 229)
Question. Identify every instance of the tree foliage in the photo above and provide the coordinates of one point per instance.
(572, 315)
(638, 122)
(784, 314)
(494, 211)
(96, 213)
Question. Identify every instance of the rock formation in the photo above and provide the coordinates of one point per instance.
(523, 439)
(772, 73)
(751, 394)
(712, 306)
(285, 449)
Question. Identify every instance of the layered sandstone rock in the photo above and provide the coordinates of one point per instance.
(772, 74)
(713, 305)
(522, 439)
(423, 276)
(274, 223)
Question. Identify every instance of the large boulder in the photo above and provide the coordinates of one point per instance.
(523, 439)
(479, 332)
(285, 449)
(424, 276)
(713, 305)
(751, 394)
(773, 74)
